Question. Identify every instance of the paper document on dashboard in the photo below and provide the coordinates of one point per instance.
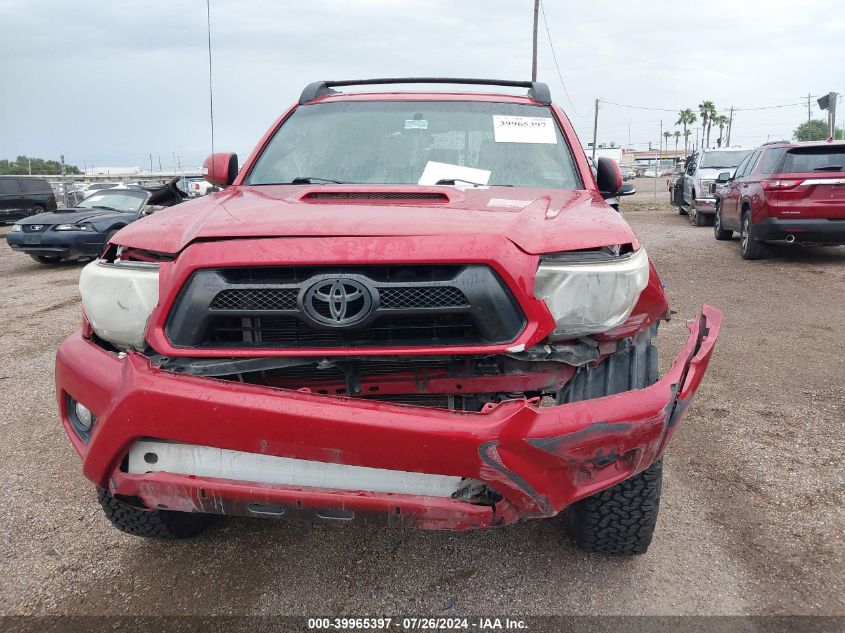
(434, 172)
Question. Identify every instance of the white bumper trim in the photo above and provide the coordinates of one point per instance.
(204, 461)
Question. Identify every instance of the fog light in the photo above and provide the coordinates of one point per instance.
(83, 416)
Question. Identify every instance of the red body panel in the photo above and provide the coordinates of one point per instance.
(540, 459)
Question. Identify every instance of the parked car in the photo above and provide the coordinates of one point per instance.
(21, 196)
(397, 312)
(80, 232)
(628, 173)
(790, 192)
(197, 187)
(702, 169)
(83, 191)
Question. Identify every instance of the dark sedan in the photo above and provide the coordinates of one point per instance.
(82, 231)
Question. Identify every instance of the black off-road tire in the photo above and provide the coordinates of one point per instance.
(621, 519)
(719, 231)
(163, 524)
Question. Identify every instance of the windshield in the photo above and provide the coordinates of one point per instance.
(123, 200)
(426, 142)
(726, 159)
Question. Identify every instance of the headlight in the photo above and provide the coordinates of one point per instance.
(71, 227)
(588, 297)
(118, 299)
(16, 228)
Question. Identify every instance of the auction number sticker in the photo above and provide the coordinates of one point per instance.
(389, 623)
(524, 129)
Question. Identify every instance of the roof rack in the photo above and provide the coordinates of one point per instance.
(536, 90)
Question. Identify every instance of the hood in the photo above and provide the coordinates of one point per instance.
(536, 220)
(66, 216)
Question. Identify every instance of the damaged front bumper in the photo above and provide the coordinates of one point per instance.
(415, 464)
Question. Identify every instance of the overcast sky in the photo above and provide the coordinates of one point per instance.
(108, 83)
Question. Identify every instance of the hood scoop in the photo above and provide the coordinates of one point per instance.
(374, 197)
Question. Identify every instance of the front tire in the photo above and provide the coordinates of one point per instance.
(696, 218)
(719, 232)
(749, 248)
(163, 524)
(621, 519)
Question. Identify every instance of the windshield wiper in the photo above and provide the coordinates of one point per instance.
(453, 181)
(310, 180)
(829, 168)
(102, 206)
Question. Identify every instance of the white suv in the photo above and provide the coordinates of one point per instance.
(702, 169)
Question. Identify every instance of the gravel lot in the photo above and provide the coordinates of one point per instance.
(752, 519)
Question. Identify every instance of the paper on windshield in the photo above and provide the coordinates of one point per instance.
(524, 129)
(444, 171)
(95, 197)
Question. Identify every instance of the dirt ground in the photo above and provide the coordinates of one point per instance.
(751, 522)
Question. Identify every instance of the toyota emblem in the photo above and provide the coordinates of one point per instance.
(338, 302)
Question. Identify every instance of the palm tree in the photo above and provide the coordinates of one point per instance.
(677, 136)
(707, 110)
(721, 120)
(685, 117)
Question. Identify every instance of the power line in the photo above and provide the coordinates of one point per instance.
(625, 105)
(785, 105)
(554, 57)
(634, 107)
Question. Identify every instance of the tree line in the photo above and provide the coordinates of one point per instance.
(24, 165)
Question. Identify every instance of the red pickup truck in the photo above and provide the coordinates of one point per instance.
(408, 308)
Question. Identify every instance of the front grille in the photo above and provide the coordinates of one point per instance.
(413, 297)
(267, 331)
(290, 307)
(258, 299)
(35, 228)
(255, 299)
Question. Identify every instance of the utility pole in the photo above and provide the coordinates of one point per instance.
(210, 89)
(534, 48)
(809, 111)
(29, 165)
(151, 163)
(595, 128)
(64, 182)
(657, 163)
(730, 123)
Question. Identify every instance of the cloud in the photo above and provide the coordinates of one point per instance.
(112, 83)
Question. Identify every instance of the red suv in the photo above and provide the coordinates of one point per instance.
(409, 308)
(791, 192)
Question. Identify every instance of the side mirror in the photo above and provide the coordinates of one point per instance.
(627, 190)
(221, 168)
(608, 177)
(724, 177)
